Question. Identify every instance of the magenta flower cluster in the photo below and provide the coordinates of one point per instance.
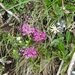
(38, 35)
(35, 32)
(29, 52)
(27, 29)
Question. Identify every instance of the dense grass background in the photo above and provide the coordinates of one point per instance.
(55, 49)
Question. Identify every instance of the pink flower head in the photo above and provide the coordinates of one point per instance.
(21, 51)
(19, 28)
(39, 35)
(30, 52)
(27, 17)
(27, 29)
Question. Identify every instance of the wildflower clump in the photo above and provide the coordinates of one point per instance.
(28, 52)
(34, 32)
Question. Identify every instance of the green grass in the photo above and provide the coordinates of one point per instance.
(43, 14)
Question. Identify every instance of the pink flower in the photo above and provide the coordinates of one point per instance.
(27, 29)
(30, 52)
(27, 17)
(39, 35)
(21, 51)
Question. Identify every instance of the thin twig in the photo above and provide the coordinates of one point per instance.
(7, 22)
(48, 22)
(63, 5)
(49, 37)
(71, 66)
(23, 3)
(12, 14)
(1, 21)
(58, 72)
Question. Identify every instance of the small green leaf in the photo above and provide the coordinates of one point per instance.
(64, 68)
(68, 37)
(15, 54)
(54, 42)
(11, 24)
(61, 47)
(70, 6)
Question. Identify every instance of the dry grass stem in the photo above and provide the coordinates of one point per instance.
(58, 72)
(12, 14)
(71, 66)
(7, 22)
